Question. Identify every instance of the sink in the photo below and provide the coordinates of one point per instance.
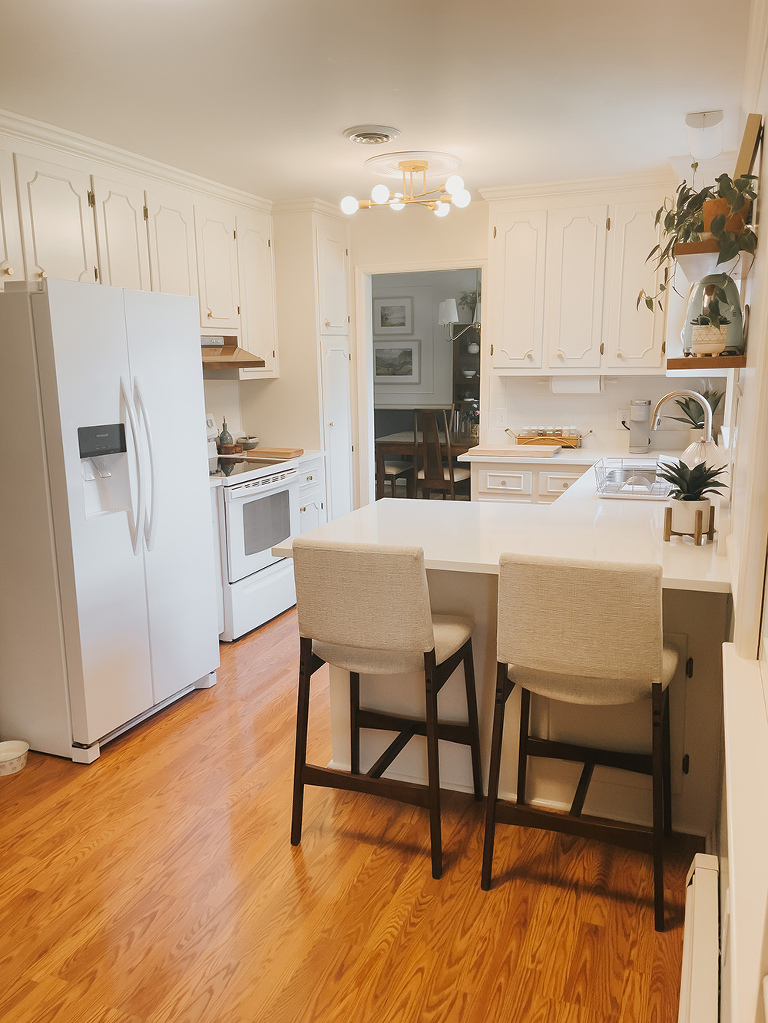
(628, 478)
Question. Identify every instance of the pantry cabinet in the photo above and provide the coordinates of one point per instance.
(11, 262)
(57, 221)
(256, 272)
(121, 234)
(172, 257)
(217, 267)
(331, 244)
(566, 265)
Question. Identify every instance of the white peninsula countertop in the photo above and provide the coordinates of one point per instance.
(469, 536)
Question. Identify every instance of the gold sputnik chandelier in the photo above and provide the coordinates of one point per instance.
(412, 169)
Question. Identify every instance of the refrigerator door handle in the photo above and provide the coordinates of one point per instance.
(150, 518)
(134, 522)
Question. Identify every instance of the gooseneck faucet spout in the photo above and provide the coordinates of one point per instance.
(656, 418)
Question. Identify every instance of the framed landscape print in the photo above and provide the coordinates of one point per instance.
(396, 362)
(393, 316)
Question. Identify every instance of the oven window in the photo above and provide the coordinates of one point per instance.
(266, 522)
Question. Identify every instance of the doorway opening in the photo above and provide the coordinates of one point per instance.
(418, 362)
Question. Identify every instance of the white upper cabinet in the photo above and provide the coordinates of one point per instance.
(332, 242)
(519, 264)
(565, 276)
(635, 336)
(575, 276)
(56, 221)
(11, 264)
(217, 267)
(172, 258)
(256, 269)
(121, 232)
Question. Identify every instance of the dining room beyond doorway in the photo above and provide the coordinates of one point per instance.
(426, 367)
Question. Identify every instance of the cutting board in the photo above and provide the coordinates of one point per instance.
(520, 450)
(275, 452)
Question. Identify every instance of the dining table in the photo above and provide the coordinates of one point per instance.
(403, 443)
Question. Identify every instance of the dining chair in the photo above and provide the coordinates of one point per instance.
(365, 608)
(432, 450)
(395, 470)
(607, 649)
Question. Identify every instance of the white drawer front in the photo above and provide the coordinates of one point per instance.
(309, 477)
(552, 484)
(509, 482)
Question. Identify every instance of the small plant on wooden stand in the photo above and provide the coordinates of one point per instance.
(690, 512)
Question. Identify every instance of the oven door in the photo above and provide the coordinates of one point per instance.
(258, 515)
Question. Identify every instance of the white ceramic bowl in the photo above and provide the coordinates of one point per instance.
(13, 756)
(468, 373)
(248, 442)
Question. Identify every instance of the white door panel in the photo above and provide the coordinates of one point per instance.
(166, 374)
(217, 268)
(337, 420)
(518, 289)
(121, 232)
(172, 243)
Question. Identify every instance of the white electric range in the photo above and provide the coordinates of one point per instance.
(258, 504)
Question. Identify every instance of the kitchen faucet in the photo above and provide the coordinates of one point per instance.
(656, 418)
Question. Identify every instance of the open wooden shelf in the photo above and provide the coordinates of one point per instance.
(702, 363)
(699, 259)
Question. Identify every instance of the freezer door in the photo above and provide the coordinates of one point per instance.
(167, 382)
(82, 357)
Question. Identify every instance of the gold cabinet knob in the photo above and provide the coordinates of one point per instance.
(619, 355)
(210, 313)
(43, 274)
(503, 483)
(529, 355)
(327, 323)
(7, 269)
(560, 355)
(330, 424)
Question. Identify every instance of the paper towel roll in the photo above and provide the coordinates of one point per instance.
(576, 385)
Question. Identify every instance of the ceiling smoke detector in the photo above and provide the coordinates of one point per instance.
(371, 134)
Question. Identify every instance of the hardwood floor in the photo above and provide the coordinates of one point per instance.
(159, 885)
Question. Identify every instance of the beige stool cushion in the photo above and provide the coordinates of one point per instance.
(451, 633)
(597, 691)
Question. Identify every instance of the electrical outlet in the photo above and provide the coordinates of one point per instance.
(622, 416)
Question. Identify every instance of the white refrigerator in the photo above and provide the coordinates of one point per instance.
(107, 581)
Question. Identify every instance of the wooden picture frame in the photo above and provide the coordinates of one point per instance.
(393, 316)
(397, 362)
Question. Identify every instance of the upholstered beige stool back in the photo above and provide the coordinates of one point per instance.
(363, 595)
(581, 631)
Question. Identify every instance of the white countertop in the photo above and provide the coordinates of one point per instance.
(566, 456)
(463, 536)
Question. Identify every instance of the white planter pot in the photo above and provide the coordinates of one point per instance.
(684, 515)
(708, 340)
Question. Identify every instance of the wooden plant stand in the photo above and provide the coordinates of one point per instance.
(698, 534)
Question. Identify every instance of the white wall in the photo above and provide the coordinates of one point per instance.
(222, 399)
(380, 237)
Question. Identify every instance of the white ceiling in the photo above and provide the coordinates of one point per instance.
(257, 93)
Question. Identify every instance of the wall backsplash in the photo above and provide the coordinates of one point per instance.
(222, 399)
(517, 402)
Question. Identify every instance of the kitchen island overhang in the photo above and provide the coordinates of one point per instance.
(462, 542)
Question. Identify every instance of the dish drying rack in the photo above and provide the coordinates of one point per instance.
(628, 478)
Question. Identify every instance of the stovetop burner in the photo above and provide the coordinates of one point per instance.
(251, 468)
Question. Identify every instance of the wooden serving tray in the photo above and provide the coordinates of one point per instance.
(521, 450)
(259, 452)
(563, 442)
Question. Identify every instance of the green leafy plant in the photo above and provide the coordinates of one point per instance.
(691, 484)
(714, 316)
(693, 413)
(469, 300)
(682, 221)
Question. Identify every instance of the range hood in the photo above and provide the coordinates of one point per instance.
(221, 352)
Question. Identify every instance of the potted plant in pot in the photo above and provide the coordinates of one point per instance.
(689, 489)
(684, 223)
(709, 336)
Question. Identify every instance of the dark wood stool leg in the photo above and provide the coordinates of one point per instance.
(354, 727)
(493, 780)
(469, 684)
(302, 723)
(522, 757)
(433, 765)
(666, 764)
(658, 812)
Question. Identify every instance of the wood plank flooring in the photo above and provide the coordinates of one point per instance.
(158, 885)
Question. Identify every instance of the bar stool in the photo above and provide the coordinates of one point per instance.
(608, 648)
(365, 608)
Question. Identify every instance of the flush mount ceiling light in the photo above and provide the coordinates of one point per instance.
(705, 135)
(413, 169)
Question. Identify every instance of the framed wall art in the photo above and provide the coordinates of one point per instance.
(393, 316)
(396, 362)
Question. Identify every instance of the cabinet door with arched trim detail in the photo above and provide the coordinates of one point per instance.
(172, 243)
(11, 262)
(519, 245)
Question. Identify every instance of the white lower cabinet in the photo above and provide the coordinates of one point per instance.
(312, 509)
(527, 483)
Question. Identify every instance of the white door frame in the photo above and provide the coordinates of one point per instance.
(364, 358)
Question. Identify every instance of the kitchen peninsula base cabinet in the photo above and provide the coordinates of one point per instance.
(530, 482)
(462, 542)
